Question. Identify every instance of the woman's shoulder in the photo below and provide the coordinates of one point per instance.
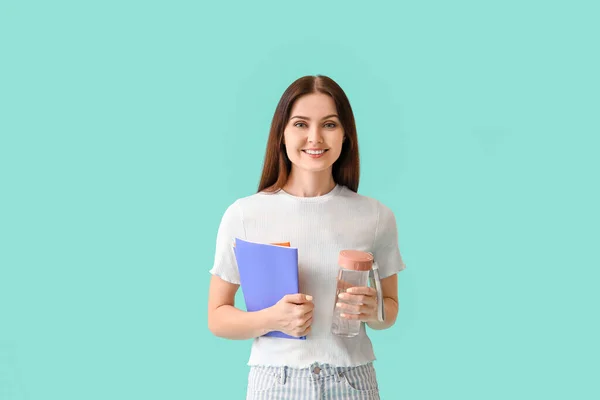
(360, 197)
(381, 209)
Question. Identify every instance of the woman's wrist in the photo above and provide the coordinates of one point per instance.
(266, 322)
(391, 312)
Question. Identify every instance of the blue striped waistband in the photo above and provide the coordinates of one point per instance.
(314, 370)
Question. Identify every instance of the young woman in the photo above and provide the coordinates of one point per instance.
(308, 196)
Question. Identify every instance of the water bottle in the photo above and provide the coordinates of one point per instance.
(356, 268)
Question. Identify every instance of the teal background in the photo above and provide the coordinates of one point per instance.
(128, 127)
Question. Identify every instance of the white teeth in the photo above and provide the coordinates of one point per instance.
(315, 152)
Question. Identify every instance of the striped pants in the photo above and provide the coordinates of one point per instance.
(318, 382)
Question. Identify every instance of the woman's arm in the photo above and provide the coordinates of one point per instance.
(227, 321)
(389, 288)
(292, 314)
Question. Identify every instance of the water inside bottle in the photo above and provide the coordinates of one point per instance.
(342, 326)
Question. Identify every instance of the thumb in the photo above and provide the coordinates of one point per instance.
(298, 298)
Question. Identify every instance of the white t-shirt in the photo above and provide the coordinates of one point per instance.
(319, 227)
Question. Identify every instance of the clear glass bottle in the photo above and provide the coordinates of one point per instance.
(357, 268)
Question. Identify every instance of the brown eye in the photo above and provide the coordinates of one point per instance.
(299, 123)
(331, 125)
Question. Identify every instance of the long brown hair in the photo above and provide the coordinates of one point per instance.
(277, 166)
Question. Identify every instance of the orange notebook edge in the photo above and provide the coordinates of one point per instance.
(283, 244)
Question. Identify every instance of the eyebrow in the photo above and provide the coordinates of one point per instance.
(328, 116)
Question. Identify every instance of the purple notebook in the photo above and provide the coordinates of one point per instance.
(267, 273)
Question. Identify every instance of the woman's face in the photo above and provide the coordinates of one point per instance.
(313, 135)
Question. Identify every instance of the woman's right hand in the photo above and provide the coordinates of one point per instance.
(293, 314)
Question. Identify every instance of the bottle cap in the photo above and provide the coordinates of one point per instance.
(355, 260)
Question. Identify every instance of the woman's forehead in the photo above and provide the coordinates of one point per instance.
(314, 105)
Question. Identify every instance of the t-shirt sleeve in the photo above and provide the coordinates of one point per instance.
(386, 249)
(231, 226)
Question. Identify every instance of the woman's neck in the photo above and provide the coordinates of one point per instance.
(309, 184)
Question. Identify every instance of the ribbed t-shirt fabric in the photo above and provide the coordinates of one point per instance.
(320, 227)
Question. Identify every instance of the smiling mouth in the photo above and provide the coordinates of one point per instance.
(315, 152)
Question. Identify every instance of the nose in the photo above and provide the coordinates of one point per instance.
(314, 135)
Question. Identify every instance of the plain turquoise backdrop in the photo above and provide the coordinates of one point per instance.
(127, 128)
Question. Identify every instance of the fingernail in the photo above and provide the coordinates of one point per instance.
(338, 304)
(342, 295)
(308, 297)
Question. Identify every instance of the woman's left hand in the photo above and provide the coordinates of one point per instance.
(363, 304)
